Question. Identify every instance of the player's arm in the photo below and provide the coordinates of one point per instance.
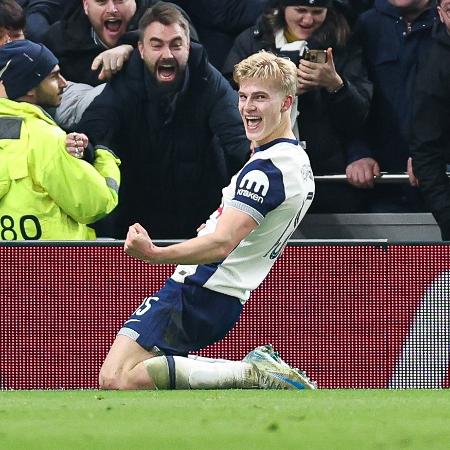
(232, 227)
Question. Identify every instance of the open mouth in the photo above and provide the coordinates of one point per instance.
(113, 25)
(252, 122)
(167, 71)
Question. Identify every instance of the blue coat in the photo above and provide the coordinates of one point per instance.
(393, 56)
(176, 153)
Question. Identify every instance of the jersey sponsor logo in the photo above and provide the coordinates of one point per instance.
(255, 185)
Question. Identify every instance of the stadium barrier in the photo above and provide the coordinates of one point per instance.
(398, 227)
(352, 314)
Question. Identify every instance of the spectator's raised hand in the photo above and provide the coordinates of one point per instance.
(76, 143)
(111, 61)
(361, 173)
(312, 75)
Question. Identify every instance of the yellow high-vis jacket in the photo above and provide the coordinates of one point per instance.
(45, 193)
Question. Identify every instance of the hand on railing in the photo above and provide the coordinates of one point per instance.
(413, 181)
(365, 172)
(362, 173)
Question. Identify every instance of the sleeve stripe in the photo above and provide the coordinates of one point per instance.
(252, 212)
(112, 184)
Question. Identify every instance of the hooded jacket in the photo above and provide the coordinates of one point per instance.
(430, 142)
(45, 193)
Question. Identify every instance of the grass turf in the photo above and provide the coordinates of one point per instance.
(323, 419)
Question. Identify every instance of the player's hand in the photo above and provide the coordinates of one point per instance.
(361, 173)
(312, 75)
(413, 181)
(76, 143)
(111, 61)
(138, 243)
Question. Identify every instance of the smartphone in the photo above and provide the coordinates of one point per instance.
(317, 56)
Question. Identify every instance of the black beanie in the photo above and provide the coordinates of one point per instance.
(23, 65)
(312, 3)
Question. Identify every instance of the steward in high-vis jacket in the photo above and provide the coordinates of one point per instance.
(45, 193)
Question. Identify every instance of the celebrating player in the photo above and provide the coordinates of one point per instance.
(230, 257)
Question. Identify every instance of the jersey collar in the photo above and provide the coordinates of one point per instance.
(275, 141)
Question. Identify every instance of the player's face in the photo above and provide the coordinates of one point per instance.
(49, 91)
(109, 18)
(302, 21)
(261, 105)
(165, 51)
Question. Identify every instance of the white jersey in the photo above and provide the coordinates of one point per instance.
(275, 188)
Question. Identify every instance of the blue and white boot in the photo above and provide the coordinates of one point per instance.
(271, 372)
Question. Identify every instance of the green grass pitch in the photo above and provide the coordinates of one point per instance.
(234, 419)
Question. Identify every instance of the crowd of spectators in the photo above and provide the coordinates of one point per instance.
(174, 124)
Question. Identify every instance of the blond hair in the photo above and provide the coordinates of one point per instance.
(266, 66)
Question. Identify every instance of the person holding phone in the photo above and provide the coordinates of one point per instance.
(334, 95)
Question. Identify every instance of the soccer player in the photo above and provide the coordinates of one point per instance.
(232, 254)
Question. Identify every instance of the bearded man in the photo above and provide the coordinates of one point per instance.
(172, 118)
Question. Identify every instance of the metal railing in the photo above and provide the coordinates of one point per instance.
(385, 177)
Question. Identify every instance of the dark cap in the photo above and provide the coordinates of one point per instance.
(23, 66)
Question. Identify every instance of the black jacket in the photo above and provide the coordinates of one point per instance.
(176, 155)
(430, 142)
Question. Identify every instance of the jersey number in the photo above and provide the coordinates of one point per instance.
(146, 305)
(9, 233)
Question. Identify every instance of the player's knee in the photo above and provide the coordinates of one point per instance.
(116, 382)
(113, 379)
(109, 380)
